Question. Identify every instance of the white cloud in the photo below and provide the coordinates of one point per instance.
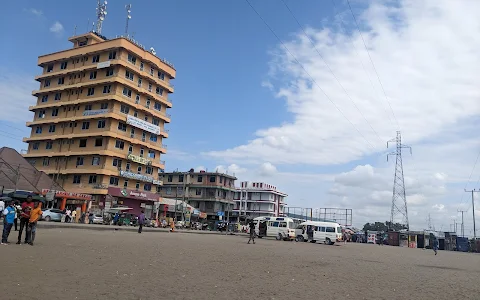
(267, 169)
(57, 28)
(232, 169)
(36, 12)
(427, 68)
(199, 168)
(179, 155)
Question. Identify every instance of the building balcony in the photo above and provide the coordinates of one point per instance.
(119, 97)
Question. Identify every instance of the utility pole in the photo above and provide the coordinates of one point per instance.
(463, 228)
(473, 212)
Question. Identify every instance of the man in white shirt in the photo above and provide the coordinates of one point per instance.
(74, 216)
(2, 208)
(69, 216)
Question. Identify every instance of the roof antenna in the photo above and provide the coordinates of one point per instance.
(101, 13)
(128, 7)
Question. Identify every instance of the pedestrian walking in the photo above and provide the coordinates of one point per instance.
(345, 238)
(74, 216)
(35, 215)
(9, 215)
(435, 245)
(251, 225)
(24, 217)
(68, 216)
(141, 221)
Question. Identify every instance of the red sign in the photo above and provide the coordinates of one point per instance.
(61, 194)
(132, 194)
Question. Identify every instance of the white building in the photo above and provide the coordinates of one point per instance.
(256, 199)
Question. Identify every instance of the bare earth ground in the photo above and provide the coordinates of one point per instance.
(87, 264)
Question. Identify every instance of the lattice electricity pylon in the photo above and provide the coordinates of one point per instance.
(399, 199)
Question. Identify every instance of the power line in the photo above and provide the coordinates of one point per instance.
(306, 72)
(330, 69)
(12, 127)
(13, 138)
(371, 60)
(469, 178)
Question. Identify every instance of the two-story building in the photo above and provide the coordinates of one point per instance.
(255, 199)
(208, 192)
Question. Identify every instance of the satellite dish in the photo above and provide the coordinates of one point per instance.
(129, 16)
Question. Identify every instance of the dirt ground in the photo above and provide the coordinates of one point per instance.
(85, 264)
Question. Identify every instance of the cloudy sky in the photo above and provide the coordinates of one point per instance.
(306, 108)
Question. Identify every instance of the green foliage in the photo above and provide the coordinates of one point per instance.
(383, 226)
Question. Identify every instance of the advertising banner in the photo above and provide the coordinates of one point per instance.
(136, 122)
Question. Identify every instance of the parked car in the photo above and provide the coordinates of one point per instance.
(97, 219)
(52, 214)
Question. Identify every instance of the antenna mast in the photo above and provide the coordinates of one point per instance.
(128, 7)
(399, 199)
(101, 13)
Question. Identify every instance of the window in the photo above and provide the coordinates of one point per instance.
(96, 58)
(41, 114)
(141, 66)
(88, 107)
(83, 143)
(122, 126)
(157, 106)
(92, 179)
(77, 179)
(109, 72)
(151, 154)
(135, 114)
(127, 167)
(146, 118)
(113, 180)
(124, 109)
(129, 75)
(149, 87)
(132, 132)
(117, 163)
(35, 145)
(147, 187)
(168, 191)
(330, 229)
(130, 149)
(91, 91)
(180, 178)
(46, 161)
(159, 91)
(199, 178)
(125, 184)
(139, 82)
(151, 71)
(198, 192)
(101, 124)
(85, 125)
(153, 137)
(93, 75)
(142, 151)
(212, 179)
(61, 80)
(132, 59)
(137, 99)
(155, 121)
(127, 92)
(170, 178)
(221, 179)
(63, 65)
(49, 145)
(104, 105)
(144, 136)
(80, 161)
(46, 83)
(58, 96)
(161, 75)
(38, 129)
(54, 112)
(112, 55)
(44, 98)
(51, 128)
(95, 161)
(98, 142)
(49, 68)
(137, 185)
(147, 104)
(139, 169)
(119, 144)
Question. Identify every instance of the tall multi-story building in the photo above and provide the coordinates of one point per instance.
(208, 192)
(255, 199)
(100, 115)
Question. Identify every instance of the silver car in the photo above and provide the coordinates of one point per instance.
(52, 214)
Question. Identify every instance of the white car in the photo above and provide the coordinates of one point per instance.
(97, 219)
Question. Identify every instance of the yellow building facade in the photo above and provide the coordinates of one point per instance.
(100, 116)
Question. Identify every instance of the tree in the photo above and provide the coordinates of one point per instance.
(383, 226)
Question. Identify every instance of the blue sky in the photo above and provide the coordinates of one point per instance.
(242, 103)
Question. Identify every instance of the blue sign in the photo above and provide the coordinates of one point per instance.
(220, 213)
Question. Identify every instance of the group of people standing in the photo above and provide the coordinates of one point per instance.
(29, 213)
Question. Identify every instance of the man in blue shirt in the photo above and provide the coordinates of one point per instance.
(9, 215)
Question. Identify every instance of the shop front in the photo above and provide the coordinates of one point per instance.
(63, 200)
(136, 200)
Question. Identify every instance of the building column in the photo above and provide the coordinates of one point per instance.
(84, 206)
(64, 203)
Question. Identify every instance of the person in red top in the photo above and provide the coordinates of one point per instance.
(24, 217)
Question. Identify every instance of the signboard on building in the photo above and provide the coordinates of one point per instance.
(60, 194)
(132, 194)
(158, 182)
(136, 176)
(95, 112)
(131, 120)
(138, 159)
(104, 64)
(220, 213)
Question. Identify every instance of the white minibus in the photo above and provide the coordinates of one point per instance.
(281, 228)
(326, 232)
